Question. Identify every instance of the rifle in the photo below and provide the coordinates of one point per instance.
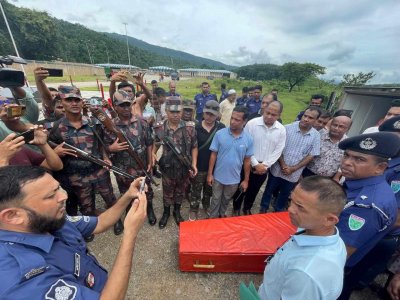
(178, 153)
(109, 125)
(90, 157)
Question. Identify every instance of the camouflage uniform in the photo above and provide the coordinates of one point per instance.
(175, 176)
(84, 177)
(139, 134)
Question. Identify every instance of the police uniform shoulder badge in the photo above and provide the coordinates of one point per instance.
(356, 222)
(61, 291)
(395, 185)
(368, 144)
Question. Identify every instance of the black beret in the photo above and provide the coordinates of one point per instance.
(383, 144)
(391, 125)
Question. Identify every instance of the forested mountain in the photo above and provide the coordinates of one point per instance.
(42, 37)
(174, 54)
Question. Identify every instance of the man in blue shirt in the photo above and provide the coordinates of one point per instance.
(231, 149)
(172, 90)
(42, 250)
(371, 209)
(254, 103)
(241, 101)
(201, 99)
(310, 264)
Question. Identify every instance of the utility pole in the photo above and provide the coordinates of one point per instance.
(90, 56)
(127, 45)
(108, 58)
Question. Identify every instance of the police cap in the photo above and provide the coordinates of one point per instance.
(382, 144)
(391, 125)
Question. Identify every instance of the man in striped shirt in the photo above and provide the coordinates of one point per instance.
(302, 144)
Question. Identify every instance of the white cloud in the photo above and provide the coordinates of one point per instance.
(344, 36)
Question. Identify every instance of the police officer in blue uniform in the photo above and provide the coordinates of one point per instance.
(42, 251)
(371, 209)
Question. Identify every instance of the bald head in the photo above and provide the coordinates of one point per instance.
(339, 127)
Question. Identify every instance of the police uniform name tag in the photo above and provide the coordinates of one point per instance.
(61, 291)
(356, 222)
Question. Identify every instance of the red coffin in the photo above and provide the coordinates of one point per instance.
(238, 244)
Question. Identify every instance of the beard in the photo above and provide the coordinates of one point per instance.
(43, 224)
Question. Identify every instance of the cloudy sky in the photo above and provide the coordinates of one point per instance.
(342, 35)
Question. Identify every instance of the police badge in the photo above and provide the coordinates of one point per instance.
(61, 291)
(368, 144)
(396, 125)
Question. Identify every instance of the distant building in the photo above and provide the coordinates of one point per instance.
(206, 73)
(162, 69)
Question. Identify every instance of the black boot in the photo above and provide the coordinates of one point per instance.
(118, 227)
(177, 214)
(164, 218)
(150, 214)
(156, 172)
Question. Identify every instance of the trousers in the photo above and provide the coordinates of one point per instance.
(277, 184)
(221, 196)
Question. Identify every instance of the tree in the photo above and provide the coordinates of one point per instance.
(357, 80)
(296, 73)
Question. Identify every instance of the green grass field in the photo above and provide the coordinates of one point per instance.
(293, 102)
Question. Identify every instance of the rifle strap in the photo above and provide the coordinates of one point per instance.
(96, 134)
(208, 142)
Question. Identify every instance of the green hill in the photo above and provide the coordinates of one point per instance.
(174, 54)
(41, 37)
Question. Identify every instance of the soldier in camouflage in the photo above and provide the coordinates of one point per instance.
(83, 177)
(138, 132)
(175, 176)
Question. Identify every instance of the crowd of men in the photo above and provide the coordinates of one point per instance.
(341, 192)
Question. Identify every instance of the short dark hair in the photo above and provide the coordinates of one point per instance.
(314, 108)
(205, 83)
(242, 109)
(342, 112)
(245, 89)
(51, 89)
(153, 81)
(223, 85)
(318, 96)
(124, 84)
(251, 88)
(395, 103)
(325, 114)
(258, 87)
(13, 179)
(330, 194)
(159, 92)
(279, 103)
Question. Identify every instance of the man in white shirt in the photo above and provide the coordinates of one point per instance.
(226, 107)
(310, 264)
(269, 138)
(394, 111)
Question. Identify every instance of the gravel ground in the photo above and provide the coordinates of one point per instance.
(155, 273)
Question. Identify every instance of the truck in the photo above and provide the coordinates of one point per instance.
(368, 104)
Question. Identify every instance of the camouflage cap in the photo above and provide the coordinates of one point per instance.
(120, 97)
(188, 104)
(173, 104)
(68, 91)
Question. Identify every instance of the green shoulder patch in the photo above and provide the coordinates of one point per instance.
(356, 222)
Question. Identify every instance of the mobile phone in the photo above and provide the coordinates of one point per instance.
(96, 101)
(55, 72)
(28, 135)
(15, 111)
(142, 185)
